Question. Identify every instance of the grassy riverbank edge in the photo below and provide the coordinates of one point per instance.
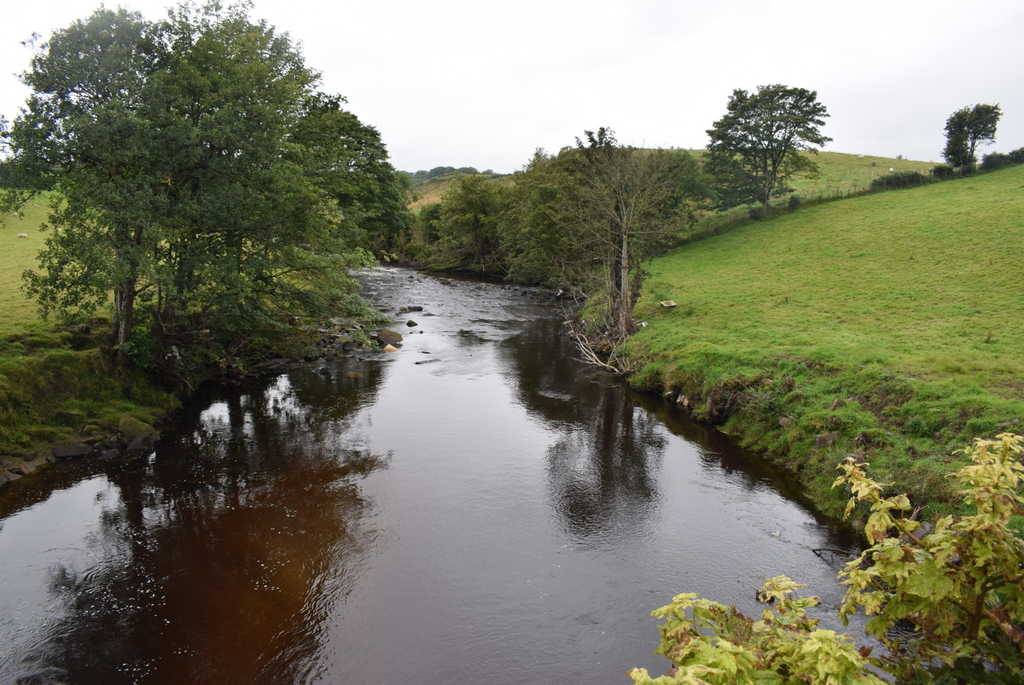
(884, 327)
(807, 416)
(59, 401)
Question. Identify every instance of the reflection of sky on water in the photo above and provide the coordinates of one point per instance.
(32, 544)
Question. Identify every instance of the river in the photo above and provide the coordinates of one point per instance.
(478, 506)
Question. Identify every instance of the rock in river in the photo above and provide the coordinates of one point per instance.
(388, 337)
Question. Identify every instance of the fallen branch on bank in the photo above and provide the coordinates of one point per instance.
(589, 349)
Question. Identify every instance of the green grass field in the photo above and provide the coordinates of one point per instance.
(840, 173)
(16, 256)
(839, 176)
(906, 305)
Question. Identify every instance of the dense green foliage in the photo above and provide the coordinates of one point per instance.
(203, 184)
(463, 229)
(997, 160)
(959, 587)
(755, 147)
(583, 220)
(899, 179)
(966, 129)
(616, 207)
(887, 320)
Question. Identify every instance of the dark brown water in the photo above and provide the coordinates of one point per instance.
(479, 506)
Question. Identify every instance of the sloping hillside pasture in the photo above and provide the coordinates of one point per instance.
(840, 173)
(839, 176)
(892, 319)
(431, 191)
(16, 256)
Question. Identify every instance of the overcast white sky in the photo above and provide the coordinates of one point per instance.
(482, 83)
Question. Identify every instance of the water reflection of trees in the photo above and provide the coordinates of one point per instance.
(601, 466)
(221, 556)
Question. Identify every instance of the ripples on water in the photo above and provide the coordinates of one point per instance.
(502, 513)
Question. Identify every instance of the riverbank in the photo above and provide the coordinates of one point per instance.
(884, 326)
(58, 403)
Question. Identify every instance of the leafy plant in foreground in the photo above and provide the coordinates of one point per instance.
(719, 645)
(961, 586)
(956, 591)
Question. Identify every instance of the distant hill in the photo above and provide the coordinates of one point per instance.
(428, 190)
(418, 178)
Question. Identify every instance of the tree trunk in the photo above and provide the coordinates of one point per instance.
(625, 304)
(124, 312)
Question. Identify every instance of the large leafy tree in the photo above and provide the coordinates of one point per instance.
(465, 225)
(201, 182)
(966, 129)
(347, 158)
(755, 148)
(536, 241)
(594, 213)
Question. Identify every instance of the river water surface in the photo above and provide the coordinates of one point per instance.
(479, 506)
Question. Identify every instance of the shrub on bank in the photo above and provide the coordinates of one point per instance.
(998, 160)
(899, 179)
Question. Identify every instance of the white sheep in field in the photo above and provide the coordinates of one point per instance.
(891, 170)
(23, 235)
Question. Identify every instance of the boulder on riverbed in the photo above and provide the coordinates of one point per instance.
(826, 440)
(273, 367)
(23, 469)
(70, 449)
(143, 442)
(131, 426)
(388, 337)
